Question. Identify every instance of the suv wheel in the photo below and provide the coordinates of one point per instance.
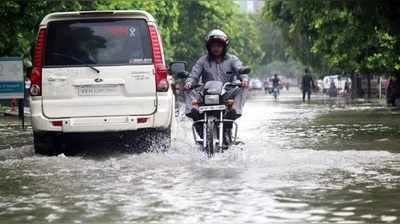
(48, 144)
(162, 139)
(153, 140)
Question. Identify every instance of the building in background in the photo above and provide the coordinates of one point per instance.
(250, 6)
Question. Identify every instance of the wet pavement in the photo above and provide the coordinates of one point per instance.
(323, 162)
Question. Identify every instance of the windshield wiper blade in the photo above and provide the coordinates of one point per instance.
(75, 59)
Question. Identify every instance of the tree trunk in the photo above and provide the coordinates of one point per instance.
(369, 86)
(356, 86)
(360, 91)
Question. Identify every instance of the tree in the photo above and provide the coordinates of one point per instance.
(183, 24)
(19, 21)
(165, 11)
(198, 17)
(347, 35)
(271, 41)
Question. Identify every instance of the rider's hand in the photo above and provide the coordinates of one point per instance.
(245, 83)
(188, 85)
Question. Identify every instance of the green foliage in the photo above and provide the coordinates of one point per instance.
(165, 11)
(271, 42)
(183, 24)
(351, 36)
(198, 17)
(19, 21)
(246, 39)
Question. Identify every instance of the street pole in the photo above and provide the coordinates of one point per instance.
(380, 87)
(21, 106)
(21, 111)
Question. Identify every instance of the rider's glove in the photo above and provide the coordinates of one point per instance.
(188, 85)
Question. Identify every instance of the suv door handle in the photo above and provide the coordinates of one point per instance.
(60, 78)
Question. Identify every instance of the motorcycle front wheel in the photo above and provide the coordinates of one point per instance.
(212, 138)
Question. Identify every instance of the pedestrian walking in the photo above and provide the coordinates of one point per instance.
(307, 84)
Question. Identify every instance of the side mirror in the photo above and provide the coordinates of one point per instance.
(245, 70)
(178, 69)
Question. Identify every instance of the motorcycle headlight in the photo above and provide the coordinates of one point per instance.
(211, 99)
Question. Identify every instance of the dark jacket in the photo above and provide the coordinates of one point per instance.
(307, 82)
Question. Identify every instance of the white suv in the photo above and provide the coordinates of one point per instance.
(100, 71)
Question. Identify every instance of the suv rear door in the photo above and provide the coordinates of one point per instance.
(98, 67)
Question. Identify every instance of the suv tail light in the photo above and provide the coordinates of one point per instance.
(160, 69)
(36, 74)
(57, 123)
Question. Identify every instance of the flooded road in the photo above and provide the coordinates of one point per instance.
(301, 163)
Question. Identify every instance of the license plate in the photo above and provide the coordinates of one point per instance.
(103, 90)
(210, 108)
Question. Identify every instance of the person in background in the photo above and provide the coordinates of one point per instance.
(393, 90)
(307, 84)
(347, 88)
(332, 91)
(267, 86)
(276, 81)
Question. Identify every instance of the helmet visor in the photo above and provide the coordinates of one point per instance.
(218, 39)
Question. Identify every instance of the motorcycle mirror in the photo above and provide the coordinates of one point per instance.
(245, 70)
(178, 69)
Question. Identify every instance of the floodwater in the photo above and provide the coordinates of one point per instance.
(12, 135)
(323, 162)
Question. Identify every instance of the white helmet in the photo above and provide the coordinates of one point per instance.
(217, 35)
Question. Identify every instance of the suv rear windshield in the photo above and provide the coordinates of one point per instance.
(97, 42)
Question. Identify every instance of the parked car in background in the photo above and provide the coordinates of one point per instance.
(255, 84)
(319, 84)
(339, 83)
(96, 72)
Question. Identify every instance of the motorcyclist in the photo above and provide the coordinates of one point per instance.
(276, 82)
(216, 65)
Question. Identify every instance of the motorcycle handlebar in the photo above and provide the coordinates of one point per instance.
(235, 84)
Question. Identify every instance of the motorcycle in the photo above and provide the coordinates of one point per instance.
(216, 99)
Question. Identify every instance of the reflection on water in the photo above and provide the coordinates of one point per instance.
(12, 135)
(300, 163)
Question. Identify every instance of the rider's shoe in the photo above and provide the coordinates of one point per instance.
(231, 114)
(194, 114)
(199, 129)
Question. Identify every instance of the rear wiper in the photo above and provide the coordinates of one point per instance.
(76, 59)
